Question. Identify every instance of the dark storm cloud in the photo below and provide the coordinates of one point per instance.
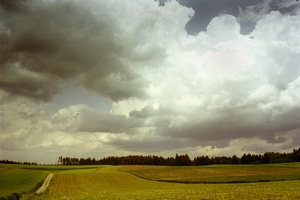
(81, 118)
(65, 40)
(233, 125)
(13, 5)
(221, 90)
(22, 82)
(230, 124)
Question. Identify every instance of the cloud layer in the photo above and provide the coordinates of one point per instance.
(218, 91)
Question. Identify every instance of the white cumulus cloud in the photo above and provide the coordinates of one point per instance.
(214, 91)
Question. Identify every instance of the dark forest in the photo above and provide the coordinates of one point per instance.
(184, 160)
(178, 160)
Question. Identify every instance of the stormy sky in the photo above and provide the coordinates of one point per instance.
(140, 77)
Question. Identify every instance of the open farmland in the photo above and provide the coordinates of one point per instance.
(61, 168)
(114, 182)
(25, 179)
(16, 180)
(218, 173)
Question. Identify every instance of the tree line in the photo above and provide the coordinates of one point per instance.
(13, 162)
(184, 160)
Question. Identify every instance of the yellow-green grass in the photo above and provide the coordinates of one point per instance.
(76, 171)
(59, 168)
(18, 178)
(14, 180)
(111, 183)
(218, 173)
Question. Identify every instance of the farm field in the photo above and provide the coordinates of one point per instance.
(118, 182)
(218, 173)
(24, 179)
(17, 180)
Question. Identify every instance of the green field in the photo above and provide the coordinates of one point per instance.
(24, 179)
(124, 182)
(16, 180)
(218, 173)
(114, 182)
(60, 168)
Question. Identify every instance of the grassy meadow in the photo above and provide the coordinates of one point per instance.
(281, 181)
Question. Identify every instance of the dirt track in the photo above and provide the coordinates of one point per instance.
(45, 184)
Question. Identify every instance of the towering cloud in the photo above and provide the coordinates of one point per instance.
(215, 90)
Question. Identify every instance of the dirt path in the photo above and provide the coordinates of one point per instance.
(45, 184)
